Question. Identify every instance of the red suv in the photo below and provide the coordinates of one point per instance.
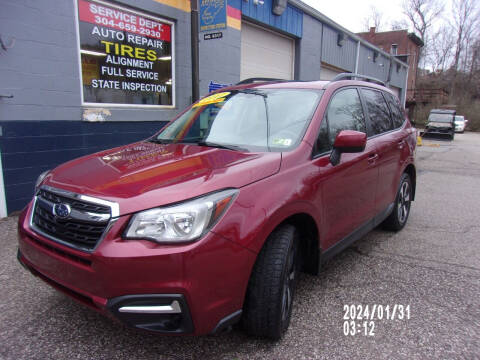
(208, 222)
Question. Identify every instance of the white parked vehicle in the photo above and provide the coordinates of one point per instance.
(460, 123)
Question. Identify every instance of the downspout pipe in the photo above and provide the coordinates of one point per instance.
(195, 52)
(357, 57)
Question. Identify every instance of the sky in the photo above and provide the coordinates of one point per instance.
(351, 13)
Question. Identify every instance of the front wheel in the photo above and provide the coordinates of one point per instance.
(269, 299)
(399, 216)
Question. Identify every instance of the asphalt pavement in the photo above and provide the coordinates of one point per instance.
(432, 266)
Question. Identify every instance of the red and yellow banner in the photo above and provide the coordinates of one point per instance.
(117, 19)
(234, 17)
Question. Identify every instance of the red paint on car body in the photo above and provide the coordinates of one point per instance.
(213, 272)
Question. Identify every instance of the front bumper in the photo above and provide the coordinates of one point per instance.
(206, 279)
(439, 130)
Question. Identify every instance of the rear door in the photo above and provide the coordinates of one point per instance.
(401, 137)
(345, 192)
(389, 143)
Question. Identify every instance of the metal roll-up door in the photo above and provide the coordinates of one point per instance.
(396, 90)
(328, 73)
(266, 54)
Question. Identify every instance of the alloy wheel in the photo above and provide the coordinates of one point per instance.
(288, 285)
(403, 206)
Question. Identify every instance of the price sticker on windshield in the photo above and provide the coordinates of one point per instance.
(282, 142)
(212, 99)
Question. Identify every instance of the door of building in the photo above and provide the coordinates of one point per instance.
(266, 54)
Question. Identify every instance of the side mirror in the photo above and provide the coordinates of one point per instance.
(347, 141)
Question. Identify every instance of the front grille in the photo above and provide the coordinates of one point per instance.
(440, 129)
(75, 204)
(74, 230)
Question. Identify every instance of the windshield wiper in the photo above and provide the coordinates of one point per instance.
(253, 92)
(160, 141)
(220, 146)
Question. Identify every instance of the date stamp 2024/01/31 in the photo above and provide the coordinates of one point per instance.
(360, 319)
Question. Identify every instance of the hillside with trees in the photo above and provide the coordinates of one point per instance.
(450, 59)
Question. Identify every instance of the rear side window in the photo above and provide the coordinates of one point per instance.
(345, 113)
(379, 114)
(398, 116)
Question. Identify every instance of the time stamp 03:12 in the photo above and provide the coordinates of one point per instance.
(360, 319)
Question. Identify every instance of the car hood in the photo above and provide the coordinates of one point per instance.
(145, 175)
(439, 124)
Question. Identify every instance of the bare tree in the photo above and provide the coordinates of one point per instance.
(421, 14)
(475, 58)
(440, 51)
(373, 19)
(399, 24)
(465, 20)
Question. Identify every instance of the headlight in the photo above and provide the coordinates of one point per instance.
(40, 178)
(187, 221)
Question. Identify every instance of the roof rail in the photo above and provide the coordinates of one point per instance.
(258, 79)
(351, 76)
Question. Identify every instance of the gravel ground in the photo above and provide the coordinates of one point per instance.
(433, 265)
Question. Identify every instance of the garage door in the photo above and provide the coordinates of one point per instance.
(266, 54)
(327, 73)
(396, 90)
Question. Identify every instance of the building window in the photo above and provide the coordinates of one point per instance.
(393, 49)
(127, 57)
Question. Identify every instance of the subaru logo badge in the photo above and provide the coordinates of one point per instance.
(61, 210)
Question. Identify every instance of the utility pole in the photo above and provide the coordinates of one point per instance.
(195, 55)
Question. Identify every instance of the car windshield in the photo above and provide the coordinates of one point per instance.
(459, 118)
(248, 120)
(446, 118)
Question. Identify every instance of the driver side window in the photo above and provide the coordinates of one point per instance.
(344, 112)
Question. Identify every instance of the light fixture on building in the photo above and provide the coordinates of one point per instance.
(340, 39)
(375, 56)
(257, 2)
(279, 6)
(94, 53)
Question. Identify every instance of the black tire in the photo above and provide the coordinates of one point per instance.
(452, 135)
(401, 209)
(271, 289)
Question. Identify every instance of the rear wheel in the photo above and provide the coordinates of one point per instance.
(399, 216)
(271, 289)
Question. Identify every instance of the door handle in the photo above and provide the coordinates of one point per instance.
(400, 144)
(372, 158)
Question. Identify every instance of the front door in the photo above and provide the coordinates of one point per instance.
(346, 192)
